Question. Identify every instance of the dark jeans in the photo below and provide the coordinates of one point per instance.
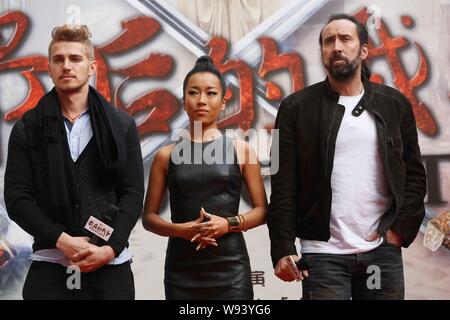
(48, 281)
(375, 275)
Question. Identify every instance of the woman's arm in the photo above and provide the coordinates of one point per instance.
(251, 173)
(218, 226)
(157, 185)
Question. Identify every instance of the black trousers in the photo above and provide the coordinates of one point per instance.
(51, 281)
(373, 275)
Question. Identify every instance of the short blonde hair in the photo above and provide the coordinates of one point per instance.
(73, 33)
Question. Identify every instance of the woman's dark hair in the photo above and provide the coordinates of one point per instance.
(362, 35)
(205, 64)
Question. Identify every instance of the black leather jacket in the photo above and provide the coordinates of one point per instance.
(308, 123)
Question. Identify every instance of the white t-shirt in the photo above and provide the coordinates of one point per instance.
(360, 192)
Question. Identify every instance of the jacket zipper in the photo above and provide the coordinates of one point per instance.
(386, 161)
(328, 140)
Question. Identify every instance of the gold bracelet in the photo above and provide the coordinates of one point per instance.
(241, 221)
(244, 222)
(233, 224)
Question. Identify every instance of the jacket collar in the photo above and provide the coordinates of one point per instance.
(365, 100)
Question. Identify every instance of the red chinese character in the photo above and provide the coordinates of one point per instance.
(272, 61)
(160, 103)
(388, 48)
(29, 66)
(244, 117)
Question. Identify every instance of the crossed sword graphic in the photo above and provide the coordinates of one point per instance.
(278, 27)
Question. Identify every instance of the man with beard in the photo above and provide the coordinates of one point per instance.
(72, 158)
(350, 182)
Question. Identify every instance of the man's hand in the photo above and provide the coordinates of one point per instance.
(283, 271)
(92, 258)
(71, 245)
(391, 237)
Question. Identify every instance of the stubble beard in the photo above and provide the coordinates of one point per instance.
(343, 72)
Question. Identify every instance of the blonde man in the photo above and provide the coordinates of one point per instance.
(72, 157)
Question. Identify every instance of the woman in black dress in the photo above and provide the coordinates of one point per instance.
(206, 255)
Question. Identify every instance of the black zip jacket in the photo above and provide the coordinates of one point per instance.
(27, 191)
(308, 123)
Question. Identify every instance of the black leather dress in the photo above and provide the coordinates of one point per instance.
(221, 272)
